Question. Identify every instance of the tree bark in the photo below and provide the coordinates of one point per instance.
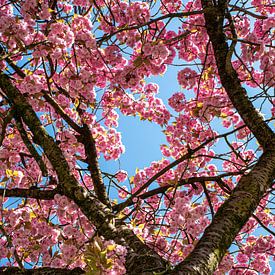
(29, 193)
(245, 198)
(40, 271)
(214, 19)
(230, 217)
(100, 215)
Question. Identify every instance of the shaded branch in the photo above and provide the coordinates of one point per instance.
(40, 271)
(186, 156)
(15, 67)
(236, 8)
(160, 173)
(7, 120)
(206, 192)
(230, 218)
(135, 27)
(192, 180)
(60, 111)
(88, 141)
(48, 98)
(235, 212)
(29, 146)
(96, 212)
(249, 42)
(85, 138)
(229, 78)
(30, 193)
(9, 240)
(263, 226)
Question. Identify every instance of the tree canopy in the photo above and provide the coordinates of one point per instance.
(69, 70)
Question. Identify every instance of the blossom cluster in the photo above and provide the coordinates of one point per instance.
(95, 60)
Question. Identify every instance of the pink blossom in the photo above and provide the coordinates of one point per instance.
(187, 78)
(121, 176)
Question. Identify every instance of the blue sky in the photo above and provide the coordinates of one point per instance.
(142, 139)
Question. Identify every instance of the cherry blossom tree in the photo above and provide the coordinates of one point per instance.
(69, 70)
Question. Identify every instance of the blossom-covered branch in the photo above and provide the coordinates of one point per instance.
(41, 271)
(99, 214)
(244, 199)
(33, 193)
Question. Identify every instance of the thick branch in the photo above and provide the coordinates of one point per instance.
(230, 218)
(29, 145)
(85, 137)
(90, 150)
(88, 141)
(245, 198)
(229, 78)
(97, 213)
(7, 119)
(60, 111)
(29, 193)
(192, 180)
(40, 271)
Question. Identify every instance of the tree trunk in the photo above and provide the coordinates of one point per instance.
(230, 218)
(235, 212)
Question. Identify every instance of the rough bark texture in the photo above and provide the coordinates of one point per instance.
(245, 198)
(228, 220)
(97, 213)
(87, 140)
(40, 271)
(214, 19)
(29, 193)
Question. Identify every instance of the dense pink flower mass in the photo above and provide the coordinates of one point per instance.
(87, 63)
